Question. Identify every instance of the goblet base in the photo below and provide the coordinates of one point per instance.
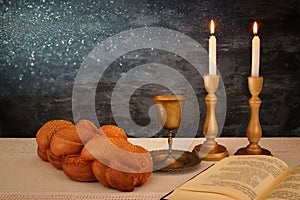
(245, 151)
(177, 160)
(214, 153)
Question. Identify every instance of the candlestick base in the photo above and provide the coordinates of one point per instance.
(206, 153)
(245, 151)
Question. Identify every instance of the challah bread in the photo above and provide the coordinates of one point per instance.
(112, 131)
(56, 161)
(86, 153)
(65, 142)
(42, 154)
(77, 169)
(118, 163)
(45, 133)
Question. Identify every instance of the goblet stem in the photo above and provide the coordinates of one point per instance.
(170, 141)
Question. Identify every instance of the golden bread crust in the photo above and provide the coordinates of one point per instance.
(65, 142)
(42, 155)
(46, 132)
(56, 161)
(112, 131)
(78, 169)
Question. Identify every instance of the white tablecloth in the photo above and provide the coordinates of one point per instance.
(24, 176)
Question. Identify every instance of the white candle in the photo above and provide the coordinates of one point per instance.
(212, 52)
(255, 52)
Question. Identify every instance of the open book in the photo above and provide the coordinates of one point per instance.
(243, 178)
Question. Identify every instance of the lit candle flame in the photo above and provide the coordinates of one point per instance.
(255, 28)
(212, 27)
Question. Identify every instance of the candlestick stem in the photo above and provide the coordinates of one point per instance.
(254, 131)
(170, 141)
(210, 150)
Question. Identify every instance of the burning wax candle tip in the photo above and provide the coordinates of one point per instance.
(212, 27)
(255, 28)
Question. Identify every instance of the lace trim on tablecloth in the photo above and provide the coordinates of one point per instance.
(81, 196)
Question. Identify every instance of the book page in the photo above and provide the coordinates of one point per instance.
(289, 188)
(237, 177)
(182, 194)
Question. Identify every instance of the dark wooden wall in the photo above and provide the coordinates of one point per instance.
(43, 44)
